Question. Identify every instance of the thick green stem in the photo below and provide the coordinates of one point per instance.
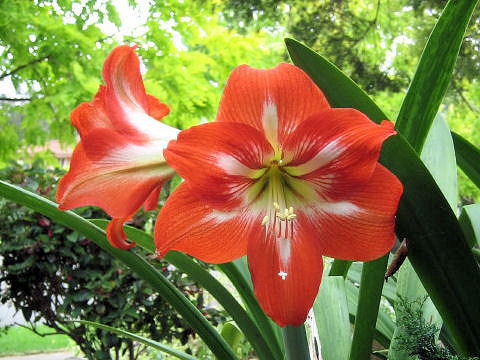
(295, 340)
(368, 302)
(340, 268)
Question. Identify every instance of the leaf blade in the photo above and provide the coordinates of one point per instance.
(437, 247)
(468, 158)
(152, 343)
(433, 72)
(171, 294)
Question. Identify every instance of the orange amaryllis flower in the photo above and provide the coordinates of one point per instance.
(284, 178)
(118, 164)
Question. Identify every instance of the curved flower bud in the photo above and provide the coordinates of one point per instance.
(118, 164)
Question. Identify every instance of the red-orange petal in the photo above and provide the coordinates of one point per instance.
(336, 151)
(116, 236)
(110, 171)
(152, 199)
(218, 161)
(286, 301)
(361, 227)
(122, 104)
(288, 88)
(88, 116)
(189, 225)
(157, 109)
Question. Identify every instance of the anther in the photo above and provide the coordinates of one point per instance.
(265, 220)
(276, 206)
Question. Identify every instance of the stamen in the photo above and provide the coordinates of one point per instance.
(265, 220)
(282, 274)
(287, 215)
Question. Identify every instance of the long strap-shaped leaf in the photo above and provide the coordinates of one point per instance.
(373, 273)
(214, 287)
(152, 343)
(384, 327)
(244, 288)
(142, 268)
(437, 247)
(468, 158)
(433, 73)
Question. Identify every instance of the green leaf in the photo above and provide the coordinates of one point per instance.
(237, 273)
(384, 327)
(259, 340)
(340, 268)
(389, 290)
(295, 340)
(437, 247)
(438, 155)
(145, 271)
(232, 334)
(371, 284)
(468, 158)
(332, 318)
(154, 344)
(470, 222)
(433, 72)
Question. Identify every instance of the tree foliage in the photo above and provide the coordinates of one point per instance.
(51, 54)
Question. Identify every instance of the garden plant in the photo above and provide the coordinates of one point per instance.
(300, 165)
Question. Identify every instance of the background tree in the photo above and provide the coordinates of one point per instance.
(51, 55)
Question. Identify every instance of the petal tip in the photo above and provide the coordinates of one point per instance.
(115, 235)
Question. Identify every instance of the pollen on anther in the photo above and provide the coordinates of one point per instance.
(265, 220)
(282, 274)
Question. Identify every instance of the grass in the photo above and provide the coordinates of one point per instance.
(18, 340)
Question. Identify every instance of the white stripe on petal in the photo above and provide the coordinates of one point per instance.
(147, 125)
(328, 153)
(342, 208)
(270, 122)
(135, 155)
(232, 166)
(219, 217)
(284, 247)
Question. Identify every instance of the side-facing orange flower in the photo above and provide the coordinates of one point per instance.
(284, 178)
(118, 164)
